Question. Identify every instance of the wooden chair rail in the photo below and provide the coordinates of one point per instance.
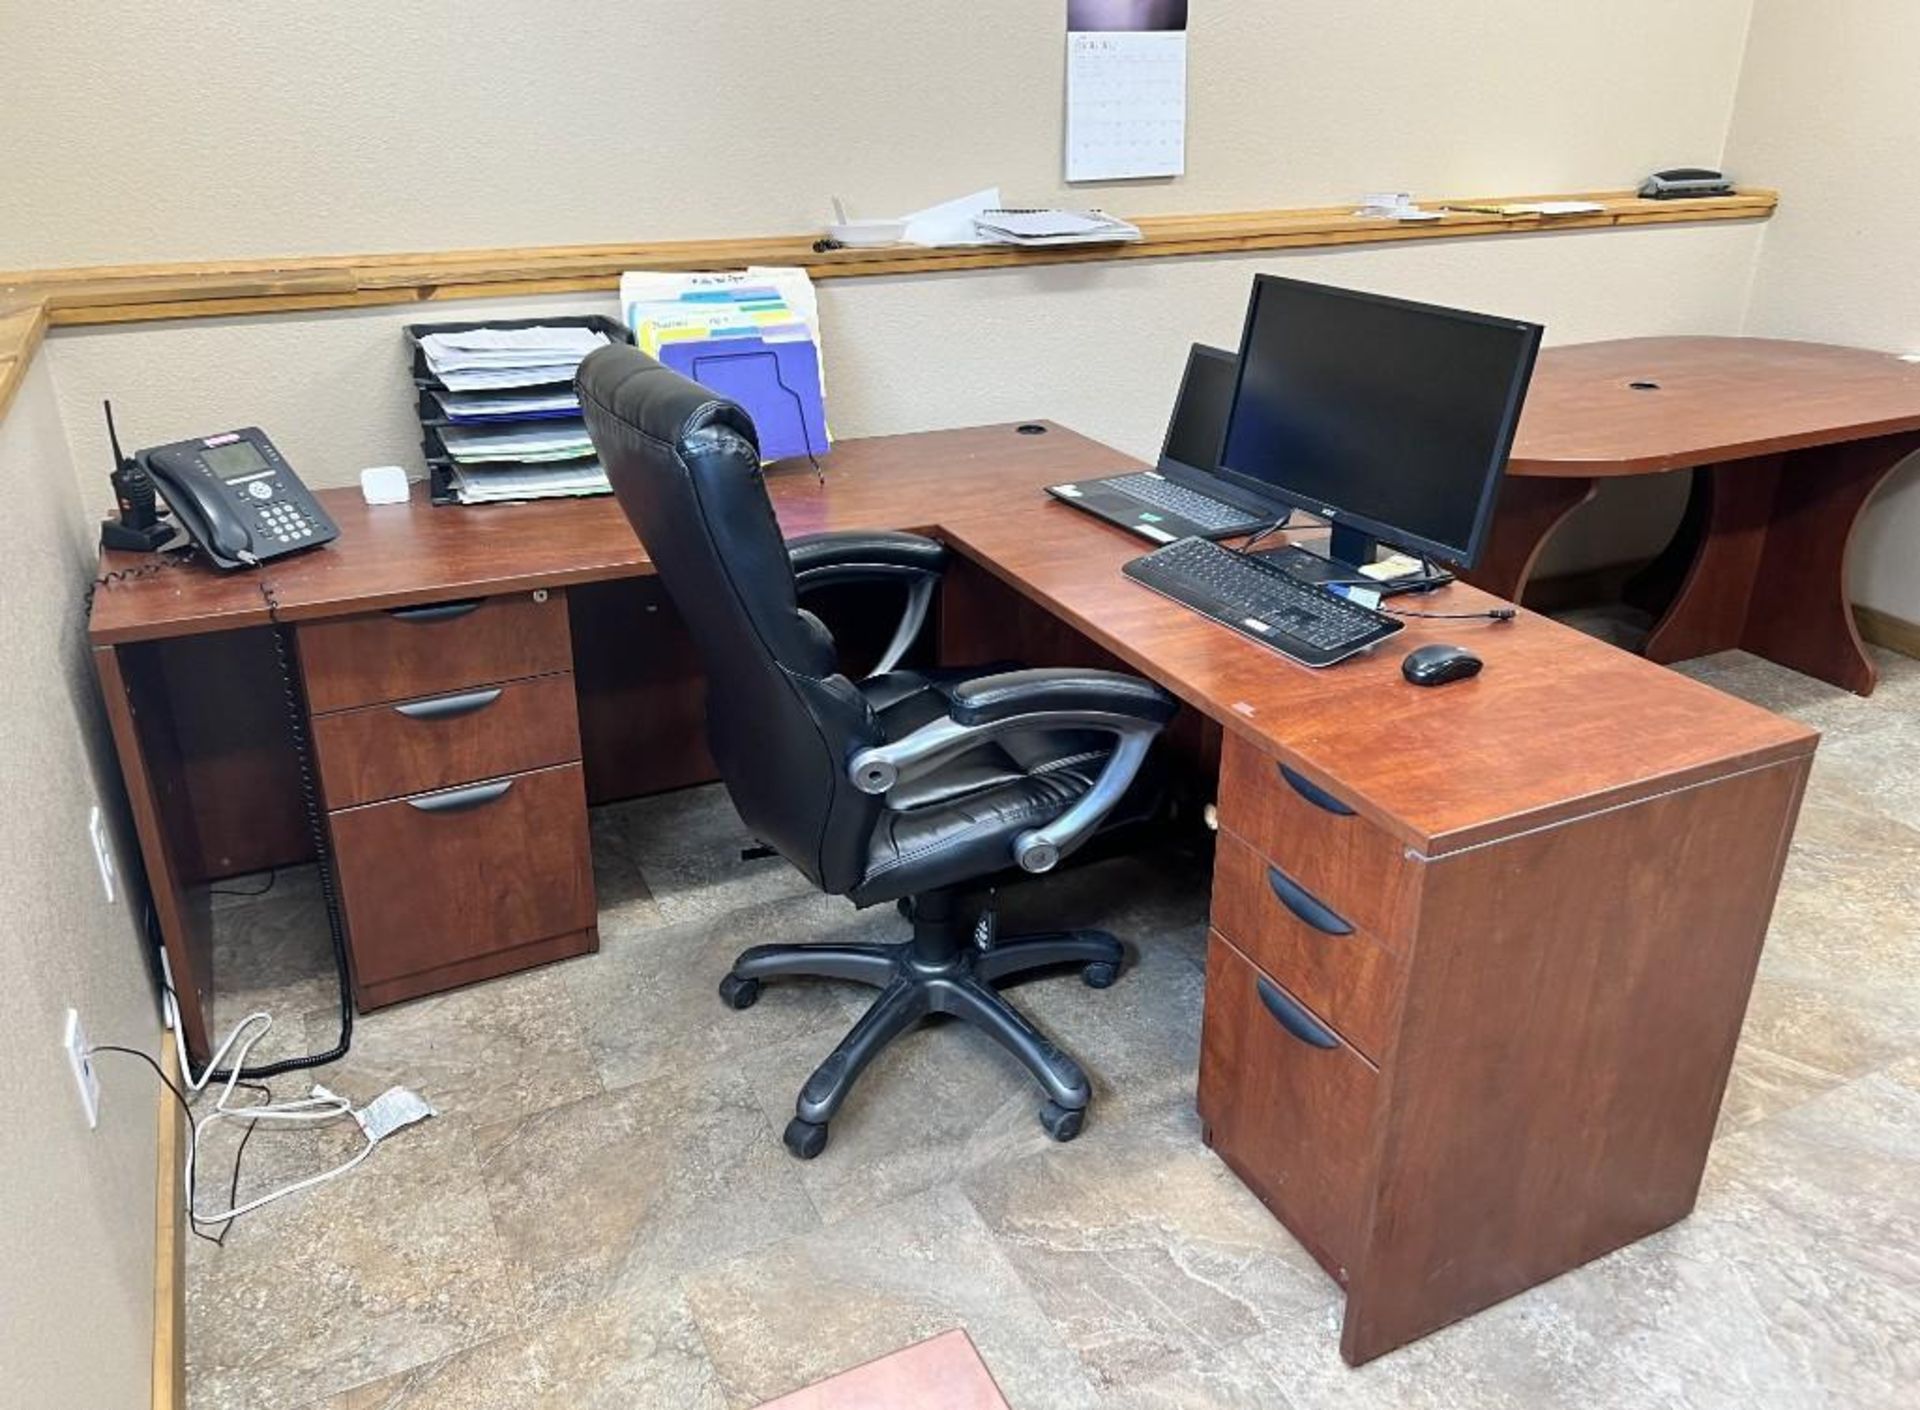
(33, 298)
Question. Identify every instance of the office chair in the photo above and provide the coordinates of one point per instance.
(912, 787)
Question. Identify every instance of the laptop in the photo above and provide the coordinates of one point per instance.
(1181, 497)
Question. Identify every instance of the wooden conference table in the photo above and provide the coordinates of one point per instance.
(1786, 441)
(1479, 956)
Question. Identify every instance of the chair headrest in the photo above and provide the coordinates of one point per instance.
(656, 401)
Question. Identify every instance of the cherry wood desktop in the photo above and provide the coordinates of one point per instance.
(1786, 442)
(1479, 955)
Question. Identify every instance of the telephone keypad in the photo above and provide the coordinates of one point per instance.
(283, 523)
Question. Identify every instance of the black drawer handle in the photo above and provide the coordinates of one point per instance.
(458, 800)
(1314, 793)
(447, 707)
(1305, 904)
(436, 612)
(1293, 1018)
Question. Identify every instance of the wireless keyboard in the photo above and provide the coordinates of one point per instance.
(1301, 621)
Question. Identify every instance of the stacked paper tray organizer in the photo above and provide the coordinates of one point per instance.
(499, 420)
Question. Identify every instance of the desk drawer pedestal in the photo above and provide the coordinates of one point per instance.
(458, 817)
(1455, 1076)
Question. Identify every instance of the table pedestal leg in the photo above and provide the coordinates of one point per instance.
(1727, 522)
(1530, 509)
(1801, 615)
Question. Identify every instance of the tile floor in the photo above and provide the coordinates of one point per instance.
(602, 1215)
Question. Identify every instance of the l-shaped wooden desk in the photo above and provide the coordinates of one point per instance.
(1479, 956)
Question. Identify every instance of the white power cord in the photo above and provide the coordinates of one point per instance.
(318, 1107)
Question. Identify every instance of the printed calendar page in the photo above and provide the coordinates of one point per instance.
(1126, 89)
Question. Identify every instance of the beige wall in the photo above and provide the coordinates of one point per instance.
(189, 132)
(1829, 111)
(76, 1206)
(1098, 347)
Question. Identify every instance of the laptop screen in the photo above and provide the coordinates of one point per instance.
(1199, 422)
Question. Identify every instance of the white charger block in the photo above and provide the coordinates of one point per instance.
(385, 484)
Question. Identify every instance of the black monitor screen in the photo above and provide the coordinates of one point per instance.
(1391, 416)
(1200, 417)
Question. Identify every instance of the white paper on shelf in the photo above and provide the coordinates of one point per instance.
(951, 222)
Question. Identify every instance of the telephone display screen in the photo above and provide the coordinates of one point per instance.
(233, 460)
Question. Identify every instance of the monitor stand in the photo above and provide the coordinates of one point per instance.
(1334, 560)
(1338, 559)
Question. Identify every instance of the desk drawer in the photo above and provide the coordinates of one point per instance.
(437, 882)
(1346, 977)
(1361, 871)
(412, 746)
(1288, 1106)
(433, 649)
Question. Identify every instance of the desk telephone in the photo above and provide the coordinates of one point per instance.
(233, 493)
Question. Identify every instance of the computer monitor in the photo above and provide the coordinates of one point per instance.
(1392, 420)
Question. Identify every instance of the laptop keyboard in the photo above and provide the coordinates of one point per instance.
(1209, 513)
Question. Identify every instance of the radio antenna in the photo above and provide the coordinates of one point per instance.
(113, 436)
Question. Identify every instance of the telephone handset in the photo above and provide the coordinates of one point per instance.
(237, 498)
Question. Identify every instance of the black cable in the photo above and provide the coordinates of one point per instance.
(322, 852)
(273, 875)
(233, 1185)
(1246, 544)
(1495, 614)
(186, 1111)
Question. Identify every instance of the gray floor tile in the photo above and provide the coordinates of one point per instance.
(612, 1192)
(650, 996)
(488, 1053)
(808, 1307)
(633, 1350)
(1145, 1252)
(687, 845)
(394, 1264)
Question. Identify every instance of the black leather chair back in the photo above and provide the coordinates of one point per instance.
(781, 720)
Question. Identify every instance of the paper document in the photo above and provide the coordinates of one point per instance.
(483, 485)
(1051, 227)
(1126, 89)
(508, 347)
(507, 406)
(951, 222)
(564, 441)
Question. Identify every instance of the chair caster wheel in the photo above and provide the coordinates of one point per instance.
(805, 1139)
(738, 993)
(1062, 1124)
(1100, 974)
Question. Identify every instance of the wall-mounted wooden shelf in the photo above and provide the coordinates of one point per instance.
(32, 299)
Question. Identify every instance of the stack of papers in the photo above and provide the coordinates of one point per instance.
(513, 426)
(467, 446)
(482, 359)
(562, 480)
(536, 404)
(1051, 227)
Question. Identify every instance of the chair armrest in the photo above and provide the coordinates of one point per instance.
(856, 549)
(860, 555)
(1130, 709)
(987, 699)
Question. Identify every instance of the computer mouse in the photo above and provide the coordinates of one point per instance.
(1438, 663)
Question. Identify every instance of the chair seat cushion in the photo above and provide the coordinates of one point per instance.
(959, 821)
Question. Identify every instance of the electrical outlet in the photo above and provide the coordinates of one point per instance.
(80, 1059)
(102, 849)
